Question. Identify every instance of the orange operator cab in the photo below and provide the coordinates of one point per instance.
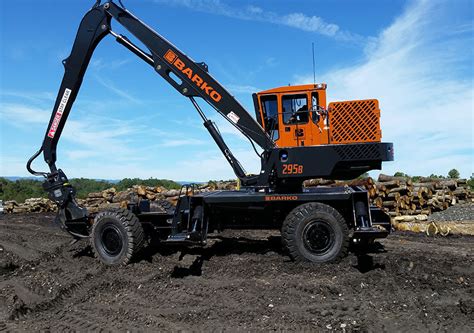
(298, 116)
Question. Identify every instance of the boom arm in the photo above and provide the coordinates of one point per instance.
(195, 79)
(165, 59)
(192, 80)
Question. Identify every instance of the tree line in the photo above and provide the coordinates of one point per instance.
(452, 174)
(22, 189)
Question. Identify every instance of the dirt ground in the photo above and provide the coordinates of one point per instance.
(240, 281)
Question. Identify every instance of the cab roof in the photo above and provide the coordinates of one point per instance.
(285, 89)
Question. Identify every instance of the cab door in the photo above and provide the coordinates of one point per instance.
(295, 129)
(319, 119)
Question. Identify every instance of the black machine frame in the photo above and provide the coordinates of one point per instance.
(268, 191)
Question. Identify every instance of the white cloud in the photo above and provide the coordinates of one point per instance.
(103, 147)
(309, 23)
(100, 64)
(213, 165)
(119, 92)
(241, 89)
(295, 20)
(425, 88)
(35, 97)
(181, 142)
(19, 114)
(13, 166)
(198, 166)
(82, 132)
(79, 154)
(101, 136)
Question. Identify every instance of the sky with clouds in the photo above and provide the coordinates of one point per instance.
(415, 56)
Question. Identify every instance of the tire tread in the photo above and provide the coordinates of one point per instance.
(292, 220)
(133, 227)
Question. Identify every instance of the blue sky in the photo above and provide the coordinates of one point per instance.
(416, 57)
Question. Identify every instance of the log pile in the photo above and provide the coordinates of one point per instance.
(111, 198)
(32, 205)
(400, 196)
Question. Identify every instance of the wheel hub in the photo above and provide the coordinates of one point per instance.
(318, 237)
(112, 240)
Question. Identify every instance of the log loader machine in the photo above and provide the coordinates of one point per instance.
(300, 137)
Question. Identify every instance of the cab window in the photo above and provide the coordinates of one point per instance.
(270, 115)
(295, 109)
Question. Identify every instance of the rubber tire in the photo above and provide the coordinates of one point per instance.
(295, 223)
(166, 206)
(131, 234)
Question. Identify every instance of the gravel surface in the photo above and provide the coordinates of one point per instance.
(462, 212)
(240, 281)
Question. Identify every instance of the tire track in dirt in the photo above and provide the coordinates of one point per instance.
(240, 281)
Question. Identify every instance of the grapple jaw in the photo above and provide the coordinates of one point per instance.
(71, 217)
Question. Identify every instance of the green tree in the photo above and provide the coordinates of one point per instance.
(470, 182)
(22, 189)
(400, 174)
(84, 186)
(453, 173)
(129, 182)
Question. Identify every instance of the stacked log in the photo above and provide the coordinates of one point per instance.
(400, 196)
(32, 205)
(395, 193)
(111, 198)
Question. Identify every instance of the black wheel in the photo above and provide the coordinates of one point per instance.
(315, 232)
(116, 236)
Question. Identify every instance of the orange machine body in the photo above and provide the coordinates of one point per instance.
(299, 116)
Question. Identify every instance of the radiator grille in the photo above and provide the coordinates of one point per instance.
(354, 121)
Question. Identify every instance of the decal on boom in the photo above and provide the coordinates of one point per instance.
(173, 59)
(59, 113)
